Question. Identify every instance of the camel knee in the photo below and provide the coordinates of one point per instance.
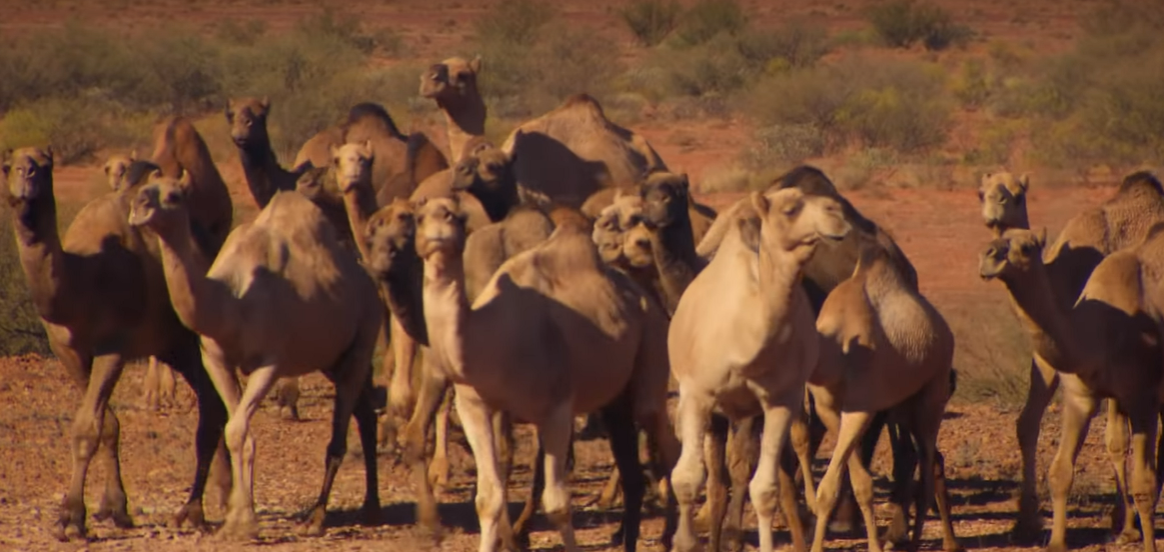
(764, 496)
(489, 501)
(686, 480)
(235, 436)
(556, 501)
(1060, 476)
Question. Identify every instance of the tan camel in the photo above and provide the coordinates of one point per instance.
(401, 161)
(159, 385)
(452, 83)
(884, 347)
(100, 285)
(754, 282)
(281, 299)
(1121, 221)
(701, 215)
(600, 348)
(1106, 345)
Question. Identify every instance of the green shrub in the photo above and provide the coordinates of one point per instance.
(798, 42)
(20, 329)
(708, 18)
(76, 128)
(651, 20)
(514, 22)
(901, 23)
(783, 144)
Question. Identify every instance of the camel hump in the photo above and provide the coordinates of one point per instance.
(1141, 180)
(585, 102)
(365, 112)
(292, 213)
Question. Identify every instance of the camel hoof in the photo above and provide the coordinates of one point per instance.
(239, 531)
(897, 533)
(686, 543)
(289, 413)
(1056, 547)
(115, 509)
(370, 514)
(617, 537)
(313, 522)
(192, 513)
(68, 529)
(1128, 536)
(438, 474)
(953, 546)
(1026, 531)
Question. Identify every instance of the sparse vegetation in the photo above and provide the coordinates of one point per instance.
(707, 19)
(651, 20)
(902, 23)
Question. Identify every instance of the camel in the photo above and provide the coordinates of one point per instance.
(401, 161)
(178, 147)
(117, 170)
(624, 242)
(754, 282)
(1121, 221)
(282, 299)
(601, 348)
(1105, 345)
(452, 84)
(884, 347)
(100, 296)
(701, 215)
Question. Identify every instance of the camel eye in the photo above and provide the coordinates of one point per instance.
(981, 195)
(448, 216)
(174, 197)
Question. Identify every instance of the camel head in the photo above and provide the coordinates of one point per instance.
(793, 221)
(484, 169)
(353, 165)
(665, 198)
(390, 233)
(248, 120)
(452, 80)
(28, 175)
(1003, 198)
(117, 170)
(440, 227)
(318, 185)
(161, 202)
(1015, 252)
(621, 235)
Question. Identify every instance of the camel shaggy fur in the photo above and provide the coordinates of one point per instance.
(282, 299)
(1121, 221)
(884, 347)
(1105, 345)
(101, 298)
(767, 321)
(600, 348)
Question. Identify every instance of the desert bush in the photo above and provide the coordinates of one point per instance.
(901, 23)
(516, 22)
(651, 20)
(349, 29)
(241, 33)
(20, 328)
(798, 42)
(75, 128)
(973, 85)
(784, 144)
(707, 19)
(994, 144)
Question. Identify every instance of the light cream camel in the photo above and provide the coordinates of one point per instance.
(281, 299)
(101, 285)
(600, 347)
(1106, 345)
(766, 322)
(117, 170)
(452, 83)
(884, 347)
(1091, 235)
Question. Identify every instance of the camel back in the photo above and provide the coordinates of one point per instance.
(177, 147)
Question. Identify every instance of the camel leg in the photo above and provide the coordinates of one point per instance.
(618, 417)
(927, 421)
(762, 490)
(166, 383)
(656, 423)
(863, 494)
(150, 385)
(402, 394)
(714, 454)
(287, 397)
(1044, 382)
(942, 496)
(87, 434)
(904, 463)
(476, 419)
(212, 461)
(113, 502)
(432, 390)
(852, 425)
(1145, 489)
(606, 499)
(554, 434)
(801, 440)
(1116, 439)
(694, 416)
(789, 502)
(1078, 407)
(741, 460)
(438, 467)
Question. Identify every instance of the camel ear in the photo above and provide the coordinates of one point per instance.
(266, 103)
(686, 182)
(228, 111)
(368, 148)
(133, 155)
(332, 150)
(1025, 182)
(6, 166)
(1041, 237)
(475, 64)
(157, 174)
(761, 204)
(749, 231)
(184, 179)
(48, 152)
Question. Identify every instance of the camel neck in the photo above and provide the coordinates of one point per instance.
(264, 175)
(205, 306)
(499, 204)
(465, 119)
(779, 278)
(1047, 325)
(446, 311)
(674, 249)
(404, 291)
(42, 258)
(360, 205)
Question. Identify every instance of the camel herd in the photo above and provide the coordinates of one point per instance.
(568, 272)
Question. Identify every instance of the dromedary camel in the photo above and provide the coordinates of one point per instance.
(158, 388)
(247, 118)
(1094, 233)
(767, 321)
(884, 347)
(452, 84)
(1106, 345)
(600, 347)
(101, 299)
(401, 161)
(281, 299)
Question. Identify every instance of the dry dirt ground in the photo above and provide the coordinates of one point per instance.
(940, 230)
